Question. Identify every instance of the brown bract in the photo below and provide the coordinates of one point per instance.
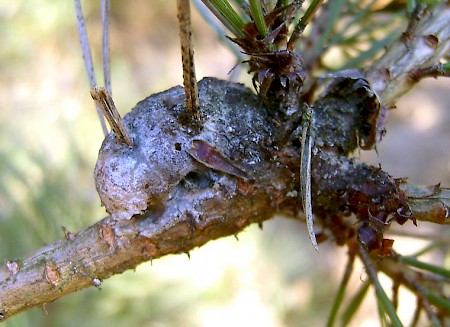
(277, 71)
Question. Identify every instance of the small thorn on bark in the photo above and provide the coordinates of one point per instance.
(44, 309)
(96, 282)
(67, 234)
(188, 255)
(433, 71)
(236, 237)
(51, 274)
(106, 233)
(431, 40)
(149, 250)
(260, 225)
(13, 267)
(414, 19)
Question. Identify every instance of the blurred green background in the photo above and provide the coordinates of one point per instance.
(49, 138)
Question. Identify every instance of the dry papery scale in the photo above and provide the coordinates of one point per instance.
(183, 183)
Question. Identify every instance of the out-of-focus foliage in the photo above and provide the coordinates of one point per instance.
(49, 138)
(44, 166)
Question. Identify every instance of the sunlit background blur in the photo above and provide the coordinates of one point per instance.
(49, 138)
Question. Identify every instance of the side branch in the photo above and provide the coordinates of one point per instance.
(420, 48)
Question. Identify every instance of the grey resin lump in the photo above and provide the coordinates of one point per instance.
(131, 179)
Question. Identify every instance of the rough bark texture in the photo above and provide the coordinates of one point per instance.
(205, 204)
(422, 47)
(236, 140)
(198, 184)
(193, 184)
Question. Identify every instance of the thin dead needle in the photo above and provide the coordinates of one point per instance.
(87, 58)
(105, 9)
(109, 110)
(102, 96)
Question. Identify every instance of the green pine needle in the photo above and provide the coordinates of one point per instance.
(258, 17)
(384, 301)
(354, 304)
(411, 261)
(223, 10)
(341, 291)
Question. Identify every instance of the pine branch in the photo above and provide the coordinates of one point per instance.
(113, 246)
(213, 199)
(110, 247)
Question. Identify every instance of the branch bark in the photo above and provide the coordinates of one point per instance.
(421, 47)
(244, 177)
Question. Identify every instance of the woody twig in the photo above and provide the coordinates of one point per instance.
(187, 55)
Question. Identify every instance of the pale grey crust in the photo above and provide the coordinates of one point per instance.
(131, 179)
